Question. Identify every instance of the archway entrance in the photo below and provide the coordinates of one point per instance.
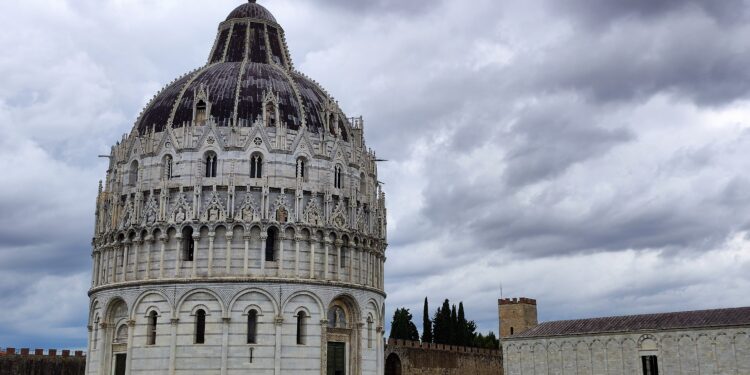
(336, 358)
(393, 365)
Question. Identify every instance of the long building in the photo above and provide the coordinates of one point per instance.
(705, 342)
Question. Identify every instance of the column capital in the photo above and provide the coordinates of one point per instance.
(131, 323)
(174, 321)
(279, 320)
(229, 235)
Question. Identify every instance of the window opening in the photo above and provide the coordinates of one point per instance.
(200, 112)
(212, 163)
(337, 177)
(650, 365)
(134, 173)
(252, 327)
(200, 327)
(301, 168)
(301, 328)
(271, 244)
(256, 166)
(168, 167)
(270, 114)
(188, 245)
(151, 330)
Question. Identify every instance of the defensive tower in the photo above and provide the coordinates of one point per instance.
(516, 315)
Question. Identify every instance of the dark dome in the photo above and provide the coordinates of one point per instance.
(249, 63)
(251, 10)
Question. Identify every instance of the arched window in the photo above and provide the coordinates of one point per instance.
(96, 332)
(301, 168)
(511, 331)
(188, 245)
(168, 167)
(200, 326)
(332, 124)
(256, 166)
(337, 177)
(121, 335)
(271, 244)
(301, 328)
(270, 114)
(133, 177)
(151, 328)
(252, 327)
(200, 111)
(212, 162)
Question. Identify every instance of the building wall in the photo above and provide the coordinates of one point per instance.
(226, 350)
(516, 315)
(433, 359)
(683, 352)
(38, 363)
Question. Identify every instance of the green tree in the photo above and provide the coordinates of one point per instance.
(464, 336)
(486, 342)
(441, 328)
(454, 333)
(402, 327)
(426, 323)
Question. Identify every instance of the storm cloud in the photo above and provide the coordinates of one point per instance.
(591, 154)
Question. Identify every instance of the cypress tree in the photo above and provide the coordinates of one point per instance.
(454, 332)
(441, 329)
(463, 328)
(426, 324)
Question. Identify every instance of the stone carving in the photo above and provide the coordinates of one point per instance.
(312, 214)
(338, 217)
(248, 211)
(280, 209)
(128, 214)
(150, 210)
(214, 211)
(181, 211)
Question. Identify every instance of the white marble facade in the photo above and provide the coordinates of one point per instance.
(724, 351)
(202, 224)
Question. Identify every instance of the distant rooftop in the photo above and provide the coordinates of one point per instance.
(649, 322)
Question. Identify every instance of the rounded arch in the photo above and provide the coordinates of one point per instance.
(393, 364)
(114, 306)
(244, 292)
(187, 295)
(312, 295)
(350, 304)
(145, 294)
(374, 305)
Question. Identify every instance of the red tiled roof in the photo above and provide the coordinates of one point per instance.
(633, 323)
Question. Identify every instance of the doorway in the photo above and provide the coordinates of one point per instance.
(336, 358)
(119, 368)
(393, 365)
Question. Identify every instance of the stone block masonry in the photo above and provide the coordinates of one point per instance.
(27, 362)
(415, 358)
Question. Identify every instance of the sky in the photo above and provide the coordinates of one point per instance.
(594, 155)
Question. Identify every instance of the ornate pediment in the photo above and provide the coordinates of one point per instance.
(248, 211)
(313, 214)
(181, 211)
(280, 209)
(214, 211)
(150, 210)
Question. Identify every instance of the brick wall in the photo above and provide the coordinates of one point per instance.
(435, 359)
(41, 362)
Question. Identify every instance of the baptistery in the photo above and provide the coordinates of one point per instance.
(241, 228)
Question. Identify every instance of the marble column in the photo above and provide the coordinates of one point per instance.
(338, 260)
(125, 251)
(228, 254)
(163, 240)
(149, 241)
(247, 254)
(278, 324)
(129, 358)
(312, 258)
(280, 262)
(297, 240)
(263, 239)
(225, 345)
(211, 236)
(138, 243)
(196, 238)
(325, 258)
(173, 346)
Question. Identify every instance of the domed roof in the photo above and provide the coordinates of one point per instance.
(251, 10)
(248, 66)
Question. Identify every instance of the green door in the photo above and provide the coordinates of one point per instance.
(336, 358)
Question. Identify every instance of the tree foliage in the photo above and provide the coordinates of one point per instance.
(402, 327)
(426, 323)
(449, 326)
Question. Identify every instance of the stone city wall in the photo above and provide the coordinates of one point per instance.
(37, 362)
(415, 358)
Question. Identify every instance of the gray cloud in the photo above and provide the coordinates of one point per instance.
(613, 140)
